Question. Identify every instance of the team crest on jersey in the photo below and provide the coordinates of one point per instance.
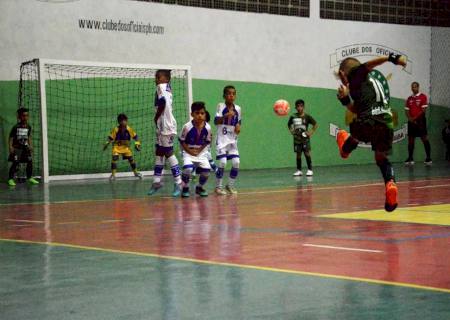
(384, 82)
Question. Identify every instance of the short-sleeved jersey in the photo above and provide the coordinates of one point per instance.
(166, 124)
(20, 134)
(122, 137)
(299, 125)
(226, 132)
(416, 104)
(195, 138)
(369, 98)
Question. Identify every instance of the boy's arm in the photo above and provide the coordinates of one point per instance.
(191, 151)
(344, 97)
(313, 129)
(396, 59)
(161, 107)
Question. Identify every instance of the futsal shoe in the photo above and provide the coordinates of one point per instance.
(309, 173)
(176, 190)
(341, 137)
(185, 193)
(155, 187)
(232, 190)
(428, 162)
(391, 196)
(297, 173)
(409, 162)
(220, 191)
(11, 183)
(137, 174)
(112, 177)
(200, 191)
(33, 181)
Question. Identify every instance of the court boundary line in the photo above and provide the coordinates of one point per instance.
(247, 192)
(233, 265)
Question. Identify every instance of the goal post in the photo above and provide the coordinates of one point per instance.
(74, 105)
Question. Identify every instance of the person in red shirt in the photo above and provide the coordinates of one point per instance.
(415, 108)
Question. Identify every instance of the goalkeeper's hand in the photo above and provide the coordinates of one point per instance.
(105, 146)
(137, 146)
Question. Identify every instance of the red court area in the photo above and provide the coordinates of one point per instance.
(280, 228)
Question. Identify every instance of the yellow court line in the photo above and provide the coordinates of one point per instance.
(235, 265)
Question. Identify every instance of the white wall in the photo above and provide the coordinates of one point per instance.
(218, 44)
(440, 66)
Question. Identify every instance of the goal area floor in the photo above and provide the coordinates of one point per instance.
(283, 248)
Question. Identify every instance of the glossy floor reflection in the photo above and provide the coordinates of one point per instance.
(283, 248)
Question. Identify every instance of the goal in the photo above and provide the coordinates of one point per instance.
(74, 105)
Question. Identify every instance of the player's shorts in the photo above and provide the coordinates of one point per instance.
(20, 155)
(164, 143)
(229, 151)
(304, 146)
(123, 151)
(373, 131)
(418, 128)
(200, 161)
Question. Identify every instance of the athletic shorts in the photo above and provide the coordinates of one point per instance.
(123, 151)
(229, 151)
(20, 155)
(200, 161)
(302, 147)
(375, 132)
(417, 128)
(164, 143)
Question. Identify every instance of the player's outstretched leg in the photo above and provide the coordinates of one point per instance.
(204, 174)
(346, 143)
(157, 171)
(219, 176)
(389, 179)
(233, 175)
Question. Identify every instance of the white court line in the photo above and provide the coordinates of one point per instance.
(340, 248)
(20, 225)
(69, 222)
(432, 186)
(111, 221)
(29, 221)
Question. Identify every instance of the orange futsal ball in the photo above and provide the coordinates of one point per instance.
(281, 108)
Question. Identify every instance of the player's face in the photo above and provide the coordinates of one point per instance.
(160, 78)
(300, 107)
(24, 117)
(230, 96)
(415, 88)
(199, 116)
(123, 123)
(343, 77)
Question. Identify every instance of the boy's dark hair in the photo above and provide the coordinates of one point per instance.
(299, 101)
(348, 64)
(415, 82)
(207, 116)
(165, 73)
(197, 106)
(21, 111)
(229, 87)
(121, 117)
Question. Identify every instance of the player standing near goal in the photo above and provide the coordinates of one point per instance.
(166, 131)
(228, 121)
(121, 137)
(363, 95)
(195, 138)
(415, 108)
(20, 147)
(298, 125)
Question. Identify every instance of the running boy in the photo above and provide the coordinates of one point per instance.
(20, 147)
(195, 138)
(298, 126)
(121, 137)
(166, 131)
(228, 121)
(362, 94)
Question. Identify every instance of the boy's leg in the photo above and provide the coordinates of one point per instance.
(13, 170)
(298, 159)
(133, 166)
(233, 173)
(346, 143)
(185, 177)
(204, 170)
(219, 173)
(308, 163)
(114, 159)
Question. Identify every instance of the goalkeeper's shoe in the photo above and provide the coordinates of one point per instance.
(112, 177)
(137, 174)
(11, 183)
(176, 190)
(185, 193)
(200, 191)
(155, 187)
(32, 181)
(341, 137)
(391, 196)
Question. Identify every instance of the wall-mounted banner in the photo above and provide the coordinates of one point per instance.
(399, 134)
(364, 49)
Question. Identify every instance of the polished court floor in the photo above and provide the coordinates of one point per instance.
(283, 248)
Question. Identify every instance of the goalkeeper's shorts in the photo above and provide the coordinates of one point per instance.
(123, 151)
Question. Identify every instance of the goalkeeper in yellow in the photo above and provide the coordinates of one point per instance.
(120, 137)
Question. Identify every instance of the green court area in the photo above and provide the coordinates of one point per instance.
(48, 282)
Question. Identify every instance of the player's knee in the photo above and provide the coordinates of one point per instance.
(187, 170)
(222, 162)
(235, 162)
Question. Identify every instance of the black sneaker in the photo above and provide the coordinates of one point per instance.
(201, 192)
(409, 162)
(428, 162)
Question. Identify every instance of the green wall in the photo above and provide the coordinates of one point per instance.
(265, 141)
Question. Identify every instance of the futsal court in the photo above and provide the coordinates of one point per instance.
(283, 248)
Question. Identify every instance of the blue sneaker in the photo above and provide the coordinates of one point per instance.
(176, 190)
(155, 187)
(185, 193)
(200, 191)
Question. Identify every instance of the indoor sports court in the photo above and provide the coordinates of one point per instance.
(105, 215)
